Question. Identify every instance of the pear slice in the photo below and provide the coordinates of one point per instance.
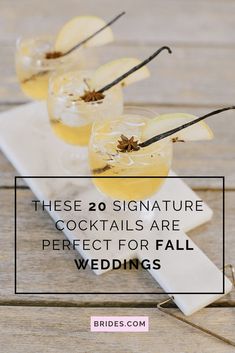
(113, 69)
(78, 29)
(166, 122)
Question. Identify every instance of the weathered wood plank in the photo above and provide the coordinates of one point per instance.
(198, 158)
(152, 21)
(30, 329)
(64, 276)
(189, 76)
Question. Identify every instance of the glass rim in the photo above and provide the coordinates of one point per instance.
(145, 111)
(62, 96)
(48, 64)
(20, 39)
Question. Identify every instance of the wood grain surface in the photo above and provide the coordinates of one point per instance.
(190, 75)
(40, 329)
(198, 77)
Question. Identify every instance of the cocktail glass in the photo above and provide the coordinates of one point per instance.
(36, 58)
(106, 160)
(71, 117)
(33, 69)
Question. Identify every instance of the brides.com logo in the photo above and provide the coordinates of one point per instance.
(119, 324)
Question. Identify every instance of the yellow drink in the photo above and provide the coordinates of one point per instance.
(33, 69)
(34, 87)
(72, 135)
(71, 118)
(106, 160)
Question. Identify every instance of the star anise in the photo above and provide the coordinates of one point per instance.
(127, 144)
(53, 55)
(92, 96)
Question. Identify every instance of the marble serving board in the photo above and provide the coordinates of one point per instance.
(30, 145)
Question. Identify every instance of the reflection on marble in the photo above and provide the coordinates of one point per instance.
(29, 143)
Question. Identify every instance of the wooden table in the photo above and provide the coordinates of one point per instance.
(197, 78)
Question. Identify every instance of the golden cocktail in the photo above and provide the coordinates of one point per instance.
(37, 57)
(71, 117)
(107, 160)
(33, 69)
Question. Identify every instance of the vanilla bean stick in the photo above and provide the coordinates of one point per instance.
(135, 68)
(181, 127)
(94, 34)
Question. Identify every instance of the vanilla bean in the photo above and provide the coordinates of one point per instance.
(135, 68)
(89, 37)
(181, 127)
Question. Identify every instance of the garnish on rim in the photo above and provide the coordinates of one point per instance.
(122, 77)
(58, 54)
(181, 127)
(127, 144)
